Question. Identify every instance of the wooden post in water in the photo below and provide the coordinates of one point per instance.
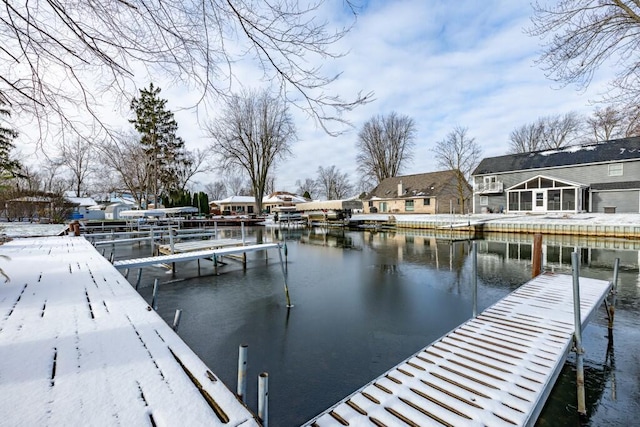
(154, 298)
(176, 320)
(241, 389)
(263, 399)
(536, 267)
(614, 291)
(577, 335)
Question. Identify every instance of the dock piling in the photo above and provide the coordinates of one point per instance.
(474, 276)
(154, 299)
(536, 267)
(284, 275)
(241, 390)
(126, 273)
(176, 320)
(138, 278)
(263, 399)
(582, 408)
(242, 232)
(614, 291)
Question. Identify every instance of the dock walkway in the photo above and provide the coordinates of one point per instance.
(190, 256)
(497, 369)
(79, 346)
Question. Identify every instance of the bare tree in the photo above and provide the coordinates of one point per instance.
(308, 186)
(606, 124)
(236, 183)
(53, 180)
(460, 153)
(216, 190)
(333, 184)
(385, 145)
(550, 132)
(197, 161)
(584, 34)
(77, 157)
(526, 138)
(125, 158)
(103, 45)
(561, 130)
(254, 131)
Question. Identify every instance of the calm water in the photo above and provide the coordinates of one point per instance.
(366, 301)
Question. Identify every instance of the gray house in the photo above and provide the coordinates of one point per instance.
(602, 177)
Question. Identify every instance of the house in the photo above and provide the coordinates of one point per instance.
(235, 205)
(84, 207)
(281, 198)
(597, 177)
(425, 193)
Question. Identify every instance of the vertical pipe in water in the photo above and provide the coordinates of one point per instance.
(284, 275)
(139, 277)
(582, 409)
(263, 399)
(614, 292)
(154, 299)
(242, 372)
(176, 320)
(474, 278)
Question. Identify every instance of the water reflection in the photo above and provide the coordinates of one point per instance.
(359, 312)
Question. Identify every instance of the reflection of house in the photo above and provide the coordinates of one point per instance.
(425, 193)
(601, 177)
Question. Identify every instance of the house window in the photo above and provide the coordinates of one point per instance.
(408, 205)
(426, 201)
(615, 169)
(370, 204)
(484, 200)
(383, 206)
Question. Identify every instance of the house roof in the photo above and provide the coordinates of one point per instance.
(419, 185)
(236, 199)
(282, 197)
(609, 151)
(624, 185)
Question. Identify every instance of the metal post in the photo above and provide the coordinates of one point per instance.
(284, 275)
(474, 276)
(215, 228)
(263, 399)
(139, 277)
(614, 292)
(242, 371)
(242, 231)
(152, 237)
(111, 257)
(171, 239)
(176, 320)
(154, 299)
(582, 409)
(126, 273)
(215, 264)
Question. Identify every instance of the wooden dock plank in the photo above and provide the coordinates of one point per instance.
(78, 346)
(496, 369)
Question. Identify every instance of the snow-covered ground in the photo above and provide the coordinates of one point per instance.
(27, 229)
(569, 218)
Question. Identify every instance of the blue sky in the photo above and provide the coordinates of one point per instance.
(442, 63)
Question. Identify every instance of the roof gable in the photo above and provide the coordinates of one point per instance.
(419, 185)
(616, 150)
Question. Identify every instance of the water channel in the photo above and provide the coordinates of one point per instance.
(365, 301)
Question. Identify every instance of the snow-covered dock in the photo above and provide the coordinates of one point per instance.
(497, 369)
(78, 346)
(199, 245)
(190, 256)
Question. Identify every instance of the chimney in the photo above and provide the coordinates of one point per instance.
(400, 189)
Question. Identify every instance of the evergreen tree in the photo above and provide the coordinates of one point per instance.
(165, 150)
(7, 135)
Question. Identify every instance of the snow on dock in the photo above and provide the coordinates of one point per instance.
(78, 346)
(495, 370)
(190, 256)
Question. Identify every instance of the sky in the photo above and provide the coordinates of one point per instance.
(443, 64)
